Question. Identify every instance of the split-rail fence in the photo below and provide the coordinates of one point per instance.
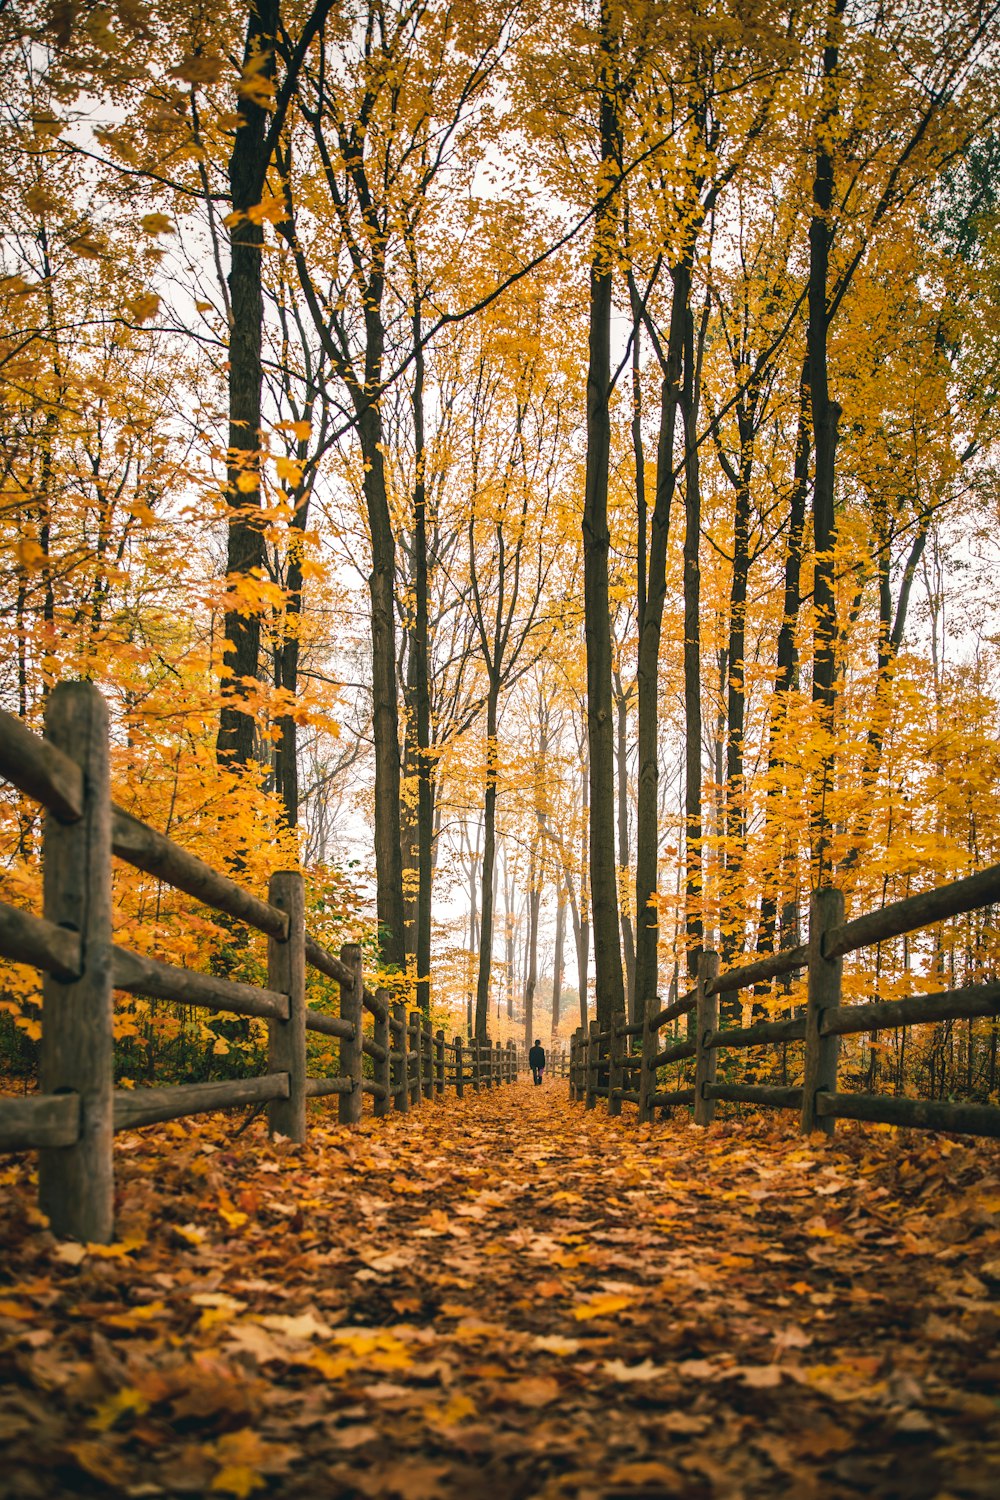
(606, 1063)
(72, 1120)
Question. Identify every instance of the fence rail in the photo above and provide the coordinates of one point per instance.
(73, 1119)
(602, 1066)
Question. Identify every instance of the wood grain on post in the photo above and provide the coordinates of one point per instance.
(592, 1053)
(615, 1069)
(286, 974)
(383, 1039)
(40, 769)
(476, 1064)
(76, 1183)
(400, 1068)
(439, 1061)
(825, 976)
(39, 1120)
(647, 1070)
(426, 1057)
(706, 1059)
(413, 1061)
(351, 1053)
(141, 846)
(459, 1081)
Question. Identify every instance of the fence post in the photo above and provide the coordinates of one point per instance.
(616, 1071)
(439, 1060)
(706, 1062)
(286, 972)
(351, 1009)
(76, 1183)
(383, 1039)
(413, 1083)
(825, 976)
(459, 1081)
(401, 1074)
(647, 1071)
(427, 1056)
(593, 1055)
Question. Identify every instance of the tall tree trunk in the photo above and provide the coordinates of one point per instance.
(596, 544)
(731, 941)
(245, 543)
(826, 416)
(628, 938)
(692, 658)
(420, 646)
(786, 671)
(489, 862)
(510, 927)
(531, 978)
(286, 761)
(557, 960)
(381, 583)
(652, 595)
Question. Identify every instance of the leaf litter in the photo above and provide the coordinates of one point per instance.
(507, 1295)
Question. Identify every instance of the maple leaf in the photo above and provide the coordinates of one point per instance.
(601, 1307)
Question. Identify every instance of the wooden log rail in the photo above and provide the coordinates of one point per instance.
(72, 1120)
(604, 1064)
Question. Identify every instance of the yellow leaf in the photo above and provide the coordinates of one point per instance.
(239, 1480)
(143, 307)
(123, 1401)
(600, 1307)
(30, 555)
(156, 224)
(288, 470)
(146, 1312)
(247, 482)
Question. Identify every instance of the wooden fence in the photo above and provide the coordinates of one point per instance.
(605, 1063)
(73, 1117)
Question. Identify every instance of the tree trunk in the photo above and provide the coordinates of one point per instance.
(489, 863)
(786, 672)
(692, 659)
(531, 979)
(245, 545)
(651, 598)
(381, 583)
(628, 938)
(557, 961)
(420, 646)
(596, 544)
(825, 415)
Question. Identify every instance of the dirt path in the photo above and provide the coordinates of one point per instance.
(509, 1297)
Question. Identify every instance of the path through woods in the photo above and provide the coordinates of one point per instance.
(506, 1296)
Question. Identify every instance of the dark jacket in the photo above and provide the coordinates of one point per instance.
(536, 1057)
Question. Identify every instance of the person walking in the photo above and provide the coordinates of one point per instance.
(536, 1060)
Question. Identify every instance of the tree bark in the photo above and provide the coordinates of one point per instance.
(624, 850)
(248, 163)
(596, 544)
(489, 861)
(557, 961)
(692, 659)
(420, 647)
(825, 417)
(786, 671)
(652, 596)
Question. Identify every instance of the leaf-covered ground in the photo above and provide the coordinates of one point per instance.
(509, 1297)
